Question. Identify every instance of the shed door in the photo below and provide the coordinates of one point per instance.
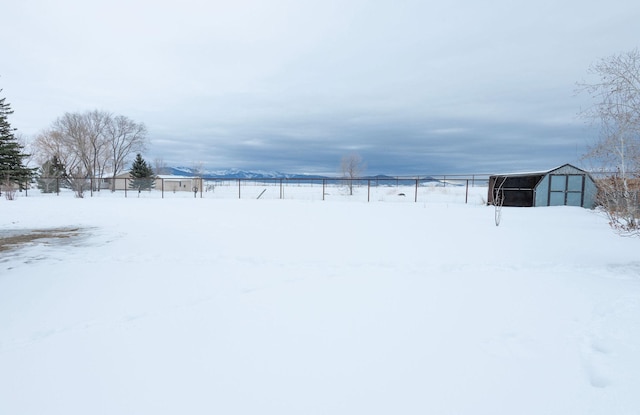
(566, 189)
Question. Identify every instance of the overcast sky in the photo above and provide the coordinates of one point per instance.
(413, 87)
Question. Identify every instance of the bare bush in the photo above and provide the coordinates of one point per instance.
(620, 201)
(8, 188)
(616, 110)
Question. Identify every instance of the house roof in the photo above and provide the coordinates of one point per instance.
(174, 177)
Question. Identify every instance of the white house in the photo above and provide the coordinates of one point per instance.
(167, 183)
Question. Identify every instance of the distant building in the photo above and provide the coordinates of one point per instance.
(167, 183)
(566, 185)
(170, 183)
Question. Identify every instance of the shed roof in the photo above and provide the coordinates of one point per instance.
(540, 172)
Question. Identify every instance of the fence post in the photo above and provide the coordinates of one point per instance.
(281, 190)
(466, 193)
(368, 190)
(125, 187)
(415, 199)
(323, 187)
(239, 195)
(162, 186)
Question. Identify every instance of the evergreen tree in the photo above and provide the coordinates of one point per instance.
(142, 176)
(12, 168)
(52, 176)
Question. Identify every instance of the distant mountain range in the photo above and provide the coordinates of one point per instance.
(263, 174)
(235, 174)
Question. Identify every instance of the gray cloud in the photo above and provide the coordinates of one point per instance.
(402, 147)
(413, 87)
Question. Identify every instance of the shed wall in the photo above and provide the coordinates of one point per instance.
(566, 186)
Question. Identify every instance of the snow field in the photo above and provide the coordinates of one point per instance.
(298, 306)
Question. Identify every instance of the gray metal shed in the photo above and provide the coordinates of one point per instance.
(566, 185)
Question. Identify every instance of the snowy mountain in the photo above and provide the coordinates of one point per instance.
(266, 174)
(230, 173)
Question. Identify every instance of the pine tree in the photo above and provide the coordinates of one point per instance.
(142, 176)
(52, 176)
(12, 168)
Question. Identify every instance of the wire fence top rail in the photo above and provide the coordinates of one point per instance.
(376, 188)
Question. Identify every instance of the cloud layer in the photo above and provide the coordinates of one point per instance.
(413, 87)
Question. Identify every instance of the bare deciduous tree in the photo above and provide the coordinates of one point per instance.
(616, 94)
(73, 130)
(124, 137)
(98, 153)
(52, 143)
(89, 143)
(351, 167)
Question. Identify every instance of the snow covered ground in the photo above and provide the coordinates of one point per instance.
(226, 306)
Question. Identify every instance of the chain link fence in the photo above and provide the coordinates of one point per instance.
(453, 188)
